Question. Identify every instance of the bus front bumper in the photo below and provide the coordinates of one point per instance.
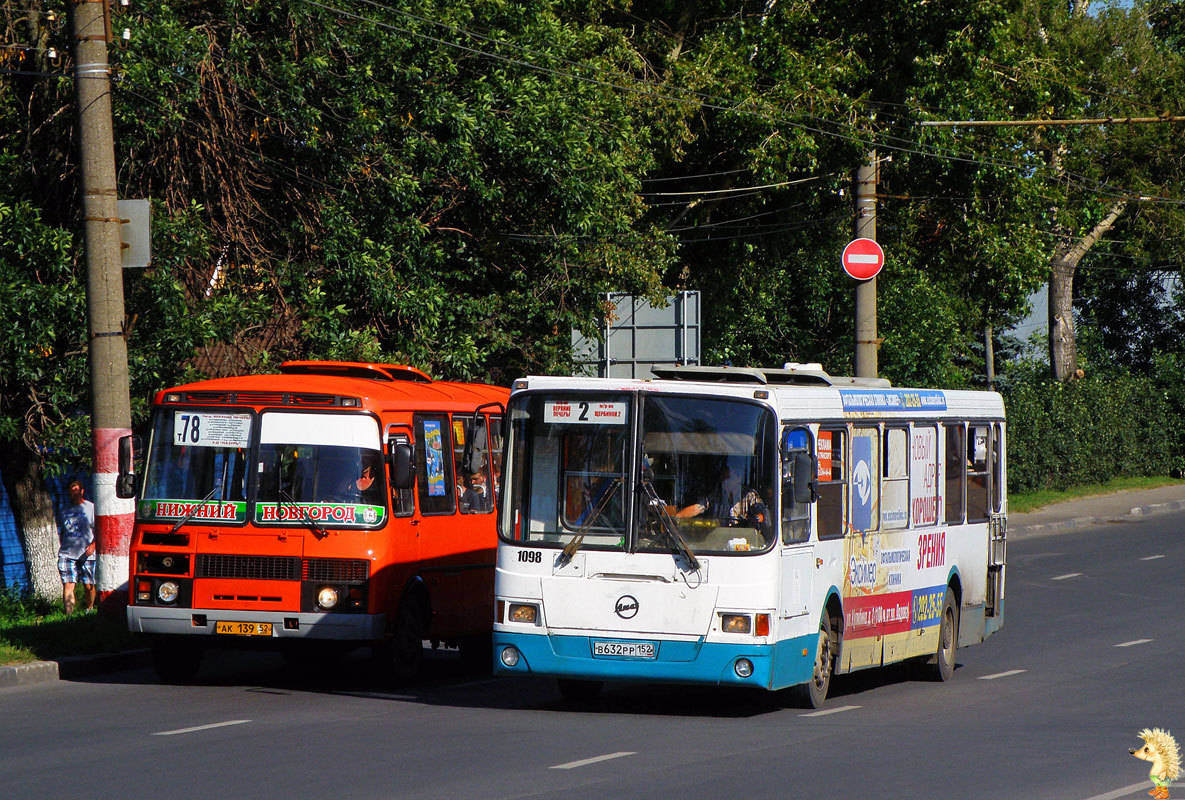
(769, 666)
(284, 625)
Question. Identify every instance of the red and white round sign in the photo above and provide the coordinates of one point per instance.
(862, 259)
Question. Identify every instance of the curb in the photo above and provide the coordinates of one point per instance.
(1136, 512)
(70, 668)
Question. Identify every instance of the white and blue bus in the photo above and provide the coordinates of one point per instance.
(747, 527)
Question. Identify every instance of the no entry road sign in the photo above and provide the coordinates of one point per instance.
(862, 259)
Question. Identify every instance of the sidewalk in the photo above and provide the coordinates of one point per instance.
(1103, 508)
(1056, 518)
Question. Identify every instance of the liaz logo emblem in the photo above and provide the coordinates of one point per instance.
(627, 607)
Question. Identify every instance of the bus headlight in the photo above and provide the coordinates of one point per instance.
(525, 613)
(510, 656)
(167, 591)
(743, 667)
(735, 623)
(327, 597)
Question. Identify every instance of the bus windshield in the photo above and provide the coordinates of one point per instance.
(698, 473)
(711, 463)
(197, 466)
(320, 468)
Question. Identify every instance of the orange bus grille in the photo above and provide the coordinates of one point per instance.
(336, 570)
(275, 568)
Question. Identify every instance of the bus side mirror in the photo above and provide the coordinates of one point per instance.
(126, 484)
(401, 468)
(806, 466)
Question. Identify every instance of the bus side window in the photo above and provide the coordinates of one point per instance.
(895, 484)
(796, 517)
(402, 502)
(475, 489)
(956, 469)
(998, 468)
(832, 507)
(434, 465)
(980, 441)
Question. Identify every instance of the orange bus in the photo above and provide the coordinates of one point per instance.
(332, 505)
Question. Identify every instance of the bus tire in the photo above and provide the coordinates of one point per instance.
(813, 693)
(407, 643)
(575, 690)
(943, 665)
(176, 660)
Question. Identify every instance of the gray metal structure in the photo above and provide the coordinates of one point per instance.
(637, 336)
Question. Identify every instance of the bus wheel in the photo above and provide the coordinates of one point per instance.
(579, 691)
(943, 666)
(407, 646)
(813, 693)
(176, 660)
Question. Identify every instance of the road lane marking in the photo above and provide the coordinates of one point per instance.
(202, 727)
(1133, 642)
(595, 759)
(1068, 575)
(827, 711)
(1002, 674)
(1152, 558)
(1124, 792)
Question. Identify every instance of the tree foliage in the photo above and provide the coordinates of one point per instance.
(457, 184)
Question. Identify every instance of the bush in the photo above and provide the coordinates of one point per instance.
(1091, 430)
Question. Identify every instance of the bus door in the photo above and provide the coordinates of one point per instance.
(864, 584)
(797, 553)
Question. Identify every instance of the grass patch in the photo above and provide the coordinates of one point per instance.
(37, 630)
(1031, 501)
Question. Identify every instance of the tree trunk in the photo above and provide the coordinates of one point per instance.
(1063, 350)
(33, 508)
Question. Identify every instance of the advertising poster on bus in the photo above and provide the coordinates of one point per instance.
(434, 454)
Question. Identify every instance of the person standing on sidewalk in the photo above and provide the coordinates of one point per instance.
(76, 556)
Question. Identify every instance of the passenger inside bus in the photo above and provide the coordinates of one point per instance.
(475, 498)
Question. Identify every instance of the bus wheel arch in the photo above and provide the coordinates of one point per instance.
(813, 693)
(942, 667)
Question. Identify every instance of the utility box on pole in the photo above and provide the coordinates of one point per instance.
(637, 336)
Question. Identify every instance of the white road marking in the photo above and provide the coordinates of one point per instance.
(827, 711)
(1002, 674)
(1067, 575)
(1133, 642)
(1124, 792)
(1152, 558)
(202, 727)
(595, 759)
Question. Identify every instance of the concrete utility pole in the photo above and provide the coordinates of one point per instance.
(867, 342)
(111, 414)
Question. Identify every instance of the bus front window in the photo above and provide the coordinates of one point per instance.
(712, 464)
(197, 466)
(569, 470)
(324, 468)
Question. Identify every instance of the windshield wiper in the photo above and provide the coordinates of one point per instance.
(679, 545)
(571, 547)
(194, 510)
(304, 514)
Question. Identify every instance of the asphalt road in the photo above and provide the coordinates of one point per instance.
(1091, 652)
